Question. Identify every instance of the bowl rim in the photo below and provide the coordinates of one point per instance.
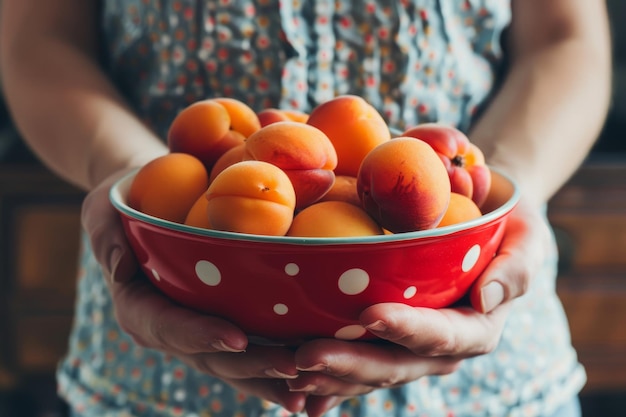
(121, 186)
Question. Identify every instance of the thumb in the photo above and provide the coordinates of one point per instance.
(521, 254)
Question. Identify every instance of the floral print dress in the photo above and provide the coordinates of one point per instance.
(415, 61)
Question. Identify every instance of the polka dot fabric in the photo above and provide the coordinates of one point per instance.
(416, 61)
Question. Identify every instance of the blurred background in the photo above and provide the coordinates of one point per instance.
(39, 232)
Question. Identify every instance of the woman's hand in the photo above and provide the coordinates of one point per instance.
(426, 341)
(206, 343)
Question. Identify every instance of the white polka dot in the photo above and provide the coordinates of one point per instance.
(208, 273)
(471, 257)
(350, 332)
(155, 274)
(281, 309)
(410, 292)
(166, 379)
(292, 269)
(180, 395)
(353, 281)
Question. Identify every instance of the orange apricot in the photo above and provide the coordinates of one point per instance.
(302, 151)
(404, 185)
(198, 216)
(272, 115)
(202, 129)
(500, 191)
(296, 115)
(252, 197)
(333, 219)
(231, 156)
(461, 209)
(168, 186)
(353, 126)
(344, 189)
(243, 118)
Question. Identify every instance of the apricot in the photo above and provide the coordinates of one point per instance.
(197, 215)
(302, 151)
(333, 219)
(480, 173)
(273, 115)
(203, 129)
(404, 185)
(500, 192)
(353, 126)
(344, 189)
(464, 161)
(461, 209)
(252, 197)
(296, 115)
(243, 118)
(231, 156)
(168, 186)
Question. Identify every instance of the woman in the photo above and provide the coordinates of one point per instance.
(93, 86)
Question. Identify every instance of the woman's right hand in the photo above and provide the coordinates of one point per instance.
(209, 344)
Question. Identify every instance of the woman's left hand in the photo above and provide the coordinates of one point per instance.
(425, 341)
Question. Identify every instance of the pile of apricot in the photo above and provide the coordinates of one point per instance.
(335, 172)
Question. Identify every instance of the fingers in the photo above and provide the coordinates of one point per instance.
(521, 254)
(108, 240)
(255, 362)
(458, 332)
(335, 367)
(156, 322)
(209, 344)
(273, 390)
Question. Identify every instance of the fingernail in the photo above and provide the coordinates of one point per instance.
(377, 326)
(220, 345)
(114, 262)
(306, 388)
(275, 373)
(315, 368)
(491, 296)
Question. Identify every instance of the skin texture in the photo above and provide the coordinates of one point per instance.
(78, 124)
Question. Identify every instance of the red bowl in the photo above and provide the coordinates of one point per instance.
(286, 290)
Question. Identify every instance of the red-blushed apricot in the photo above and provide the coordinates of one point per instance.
(273, 115)
(333, 219)
(353, 126)
(302, 151)
(404, 185)
(480, 173)
(252, 197)
(231, 156)
(202, 129)
(461, 209)
(168, 186)
(198, 216)
(242, 118)
(463, 160)
(344, 189)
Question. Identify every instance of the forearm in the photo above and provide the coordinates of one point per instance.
(548, 113)
(68, 112)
